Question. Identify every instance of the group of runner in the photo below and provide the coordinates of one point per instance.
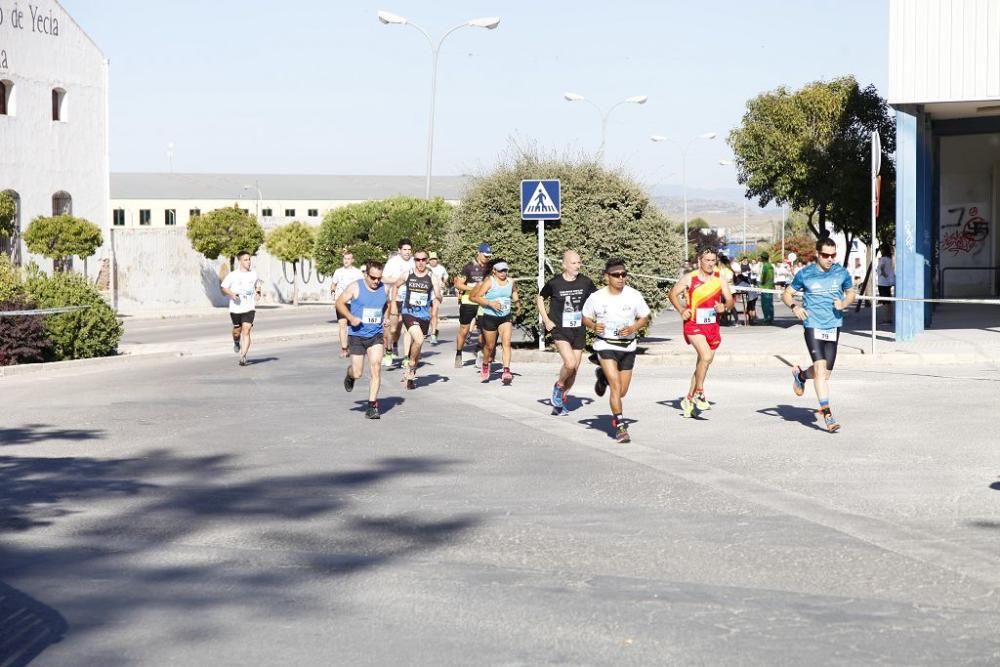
(401, 298)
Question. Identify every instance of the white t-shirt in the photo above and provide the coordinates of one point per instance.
(243, 283)
(615, 311)
(886, 272)
(397, 268)
(441, 274)
(343, 277)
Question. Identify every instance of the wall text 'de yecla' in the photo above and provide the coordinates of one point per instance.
(36, 19)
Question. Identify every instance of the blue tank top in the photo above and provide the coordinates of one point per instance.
(501, 293)
(368, 307)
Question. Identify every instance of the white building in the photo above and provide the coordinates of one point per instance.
(53, 118)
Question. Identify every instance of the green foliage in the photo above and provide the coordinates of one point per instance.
(93, 332)
(365, 252)
(604, 214)
(62, 236)
(23, 339)
(11, 284)
(803, 245)
(8, 209)
(225, 232)
(292, 242)
(380, 225)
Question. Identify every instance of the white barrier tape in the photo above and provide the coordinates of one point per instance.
(41, 311)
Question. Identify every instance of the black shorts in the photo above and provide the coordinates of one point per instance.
(822, 349)
(466, 313)
(242, 318)
(885, 290)
(359, 346)
(411, 321)
(626, 360)
(575, 336)
(492, 323)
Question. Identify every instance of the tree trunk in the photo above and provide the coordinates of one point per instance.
(847, 250)
(295, 283)
(809, 223)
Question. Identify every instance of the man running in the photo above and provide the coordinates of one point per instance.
(346, 275)
(441, 274)
(472, 274)
(828, 291)
(706, 297)
(564, 321)
(497, 296)
(422, 289)
(396, 269)
(615, 313)
(363, 305)
(243, 289)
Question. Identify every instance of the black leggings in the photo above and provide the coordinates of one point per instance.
(822, 349)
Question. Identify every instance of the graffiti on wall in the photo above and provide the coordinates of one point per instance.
(964, 230)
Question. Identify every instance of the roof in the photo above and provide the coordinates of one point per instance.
(287, 187)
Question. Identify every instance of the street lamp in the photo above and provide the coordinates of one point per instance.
(729, 163)
(635, 99)
(387, 18)
(260, 196)
(708, 136)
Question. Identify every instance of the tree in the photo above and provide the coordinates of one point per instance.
(60, 237)
(8, 210)
(225, 232)
(810, 149)
(292, 243)
(604, 214)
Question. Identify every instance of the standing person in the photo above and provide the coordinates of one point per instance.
(615, 313)
(422, 289)
(242, 286)
(564, 320)
(363, 305)
(396, 269)
(441, 274)
(767, 283)
(472, 274)
(728, 276)
(828, 291)
(706, 296)
(886, 279)
(346, 275)
(497, 296)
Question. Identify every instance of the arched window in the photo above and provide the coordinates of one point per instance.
(6, 99)
(11, 245)
(62, 203)
(58, 104)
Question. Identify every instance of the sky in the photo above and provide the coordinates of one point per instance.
(321, 87)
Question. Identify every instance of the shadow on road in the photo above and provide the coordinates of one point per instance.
(602, 423)
(386, 404)
(675, 404)
(262, 360)
(792, 413)
(31, 433)
(27, 627)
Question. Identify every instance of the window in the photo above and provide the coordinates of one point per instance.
(267, 213)
(170, 217)
(12, 244)
(118, 217)
(314, 213)
(145, 215)
(62, 203)
(6, 98)
(246, 211)
(194, 213)
(289, 212)
(58, 104)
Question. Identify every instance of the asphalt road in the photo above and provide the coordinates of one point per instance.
(193, 512)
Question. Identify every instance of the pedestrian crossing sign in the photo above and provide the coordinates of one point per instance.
(540, 199)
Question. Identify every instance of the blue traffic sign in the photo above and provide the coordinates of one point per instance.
(540, 199)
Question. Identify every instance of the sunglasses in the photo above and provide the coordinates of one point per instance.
(828, 255)
(619, 274)
(501, 270)
(376, 278)
(419, 259)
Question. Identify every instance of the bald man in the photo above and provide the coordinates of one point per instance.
(566, 293)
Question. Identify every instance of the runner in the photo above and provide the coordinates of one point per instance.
(472, 274)
(363, 305)
(706, 295)
(396, 270)
(441, 273)
(497, 295)
(243, 288)
(615, 313)
(564, 320)
(422, 289)
(828, 291)
(346, 275)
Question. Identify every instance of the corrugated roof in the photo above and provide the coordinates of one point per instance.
(280, 186)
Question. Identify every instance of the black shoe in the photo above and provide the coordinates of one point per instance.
(349, 381)
(372, 412)
(243, 361)
(602, 382)
(236, 346)
(411, 384)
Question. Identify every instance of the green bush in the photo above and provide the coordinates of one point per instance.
(604, 214)
(11, 284)
(61, 236)
(292, 243)
(8, 209)
(93, 332)
(23, 339)
(225, 232)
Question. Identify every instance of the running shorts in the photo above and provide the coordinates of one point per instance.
(626, 360)
(242, 318)
(359, 346)
(822, 349)
(709, 331)
(575, 336)
(466, 313)
(885, 290)
(491, 323)
(411, 321)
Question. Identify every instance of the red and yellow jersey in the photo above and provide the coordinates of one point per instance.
(704, 293)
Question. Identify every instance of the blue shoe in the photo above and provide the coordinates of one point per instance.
(564, 412)
(557, 396)
(798, 386)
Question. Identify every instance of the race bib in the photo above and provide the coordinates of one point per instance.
(504, 306)
(371, 316)
(401, 293)
(612, 328)
(419, 299)
(829, 335)
(572, 319)
(705, 316)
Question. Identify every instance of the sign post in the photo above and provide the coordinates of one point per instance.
(540, 200)
(876, 168)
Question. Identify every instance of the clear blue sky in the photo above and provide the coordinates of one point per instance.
(320, 86)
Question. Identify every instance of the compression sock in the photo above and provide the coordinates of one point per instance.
(824, 405)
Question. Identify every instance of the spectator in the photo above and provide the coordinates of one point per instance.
(886, 279)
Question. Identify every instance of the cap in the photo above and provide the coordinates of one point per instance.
(764, 256)
(485, 249)
(432, 255)
(501, 266)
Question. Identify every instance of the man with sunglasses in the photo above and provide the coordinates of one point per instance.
(421, 289)
(363, 305)
(827, 291)
(615, 313)
(472, 274)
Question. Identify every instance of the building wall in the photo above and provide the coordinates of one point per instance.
(39, 156)
(943, 50)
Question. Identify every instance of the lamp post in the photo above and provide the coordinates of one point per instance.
(728, 163)
(256, 187)
(656, 139)
(635, 99)
(387, 18)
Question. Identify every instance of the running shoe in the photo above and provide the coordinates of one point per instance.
(349, 380)
(702, 403)
(458, 360)
(621, 434)
(602, 382)
(687, 407)
(372, 412)
(433, 339)
(798, 386)
(507, 377)
(831, 424)
(411, 383)
(557, 397)
(387, 360)
(479, 357)
(243, 361)
(236, 346)
(484, 372)
(563, 411)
